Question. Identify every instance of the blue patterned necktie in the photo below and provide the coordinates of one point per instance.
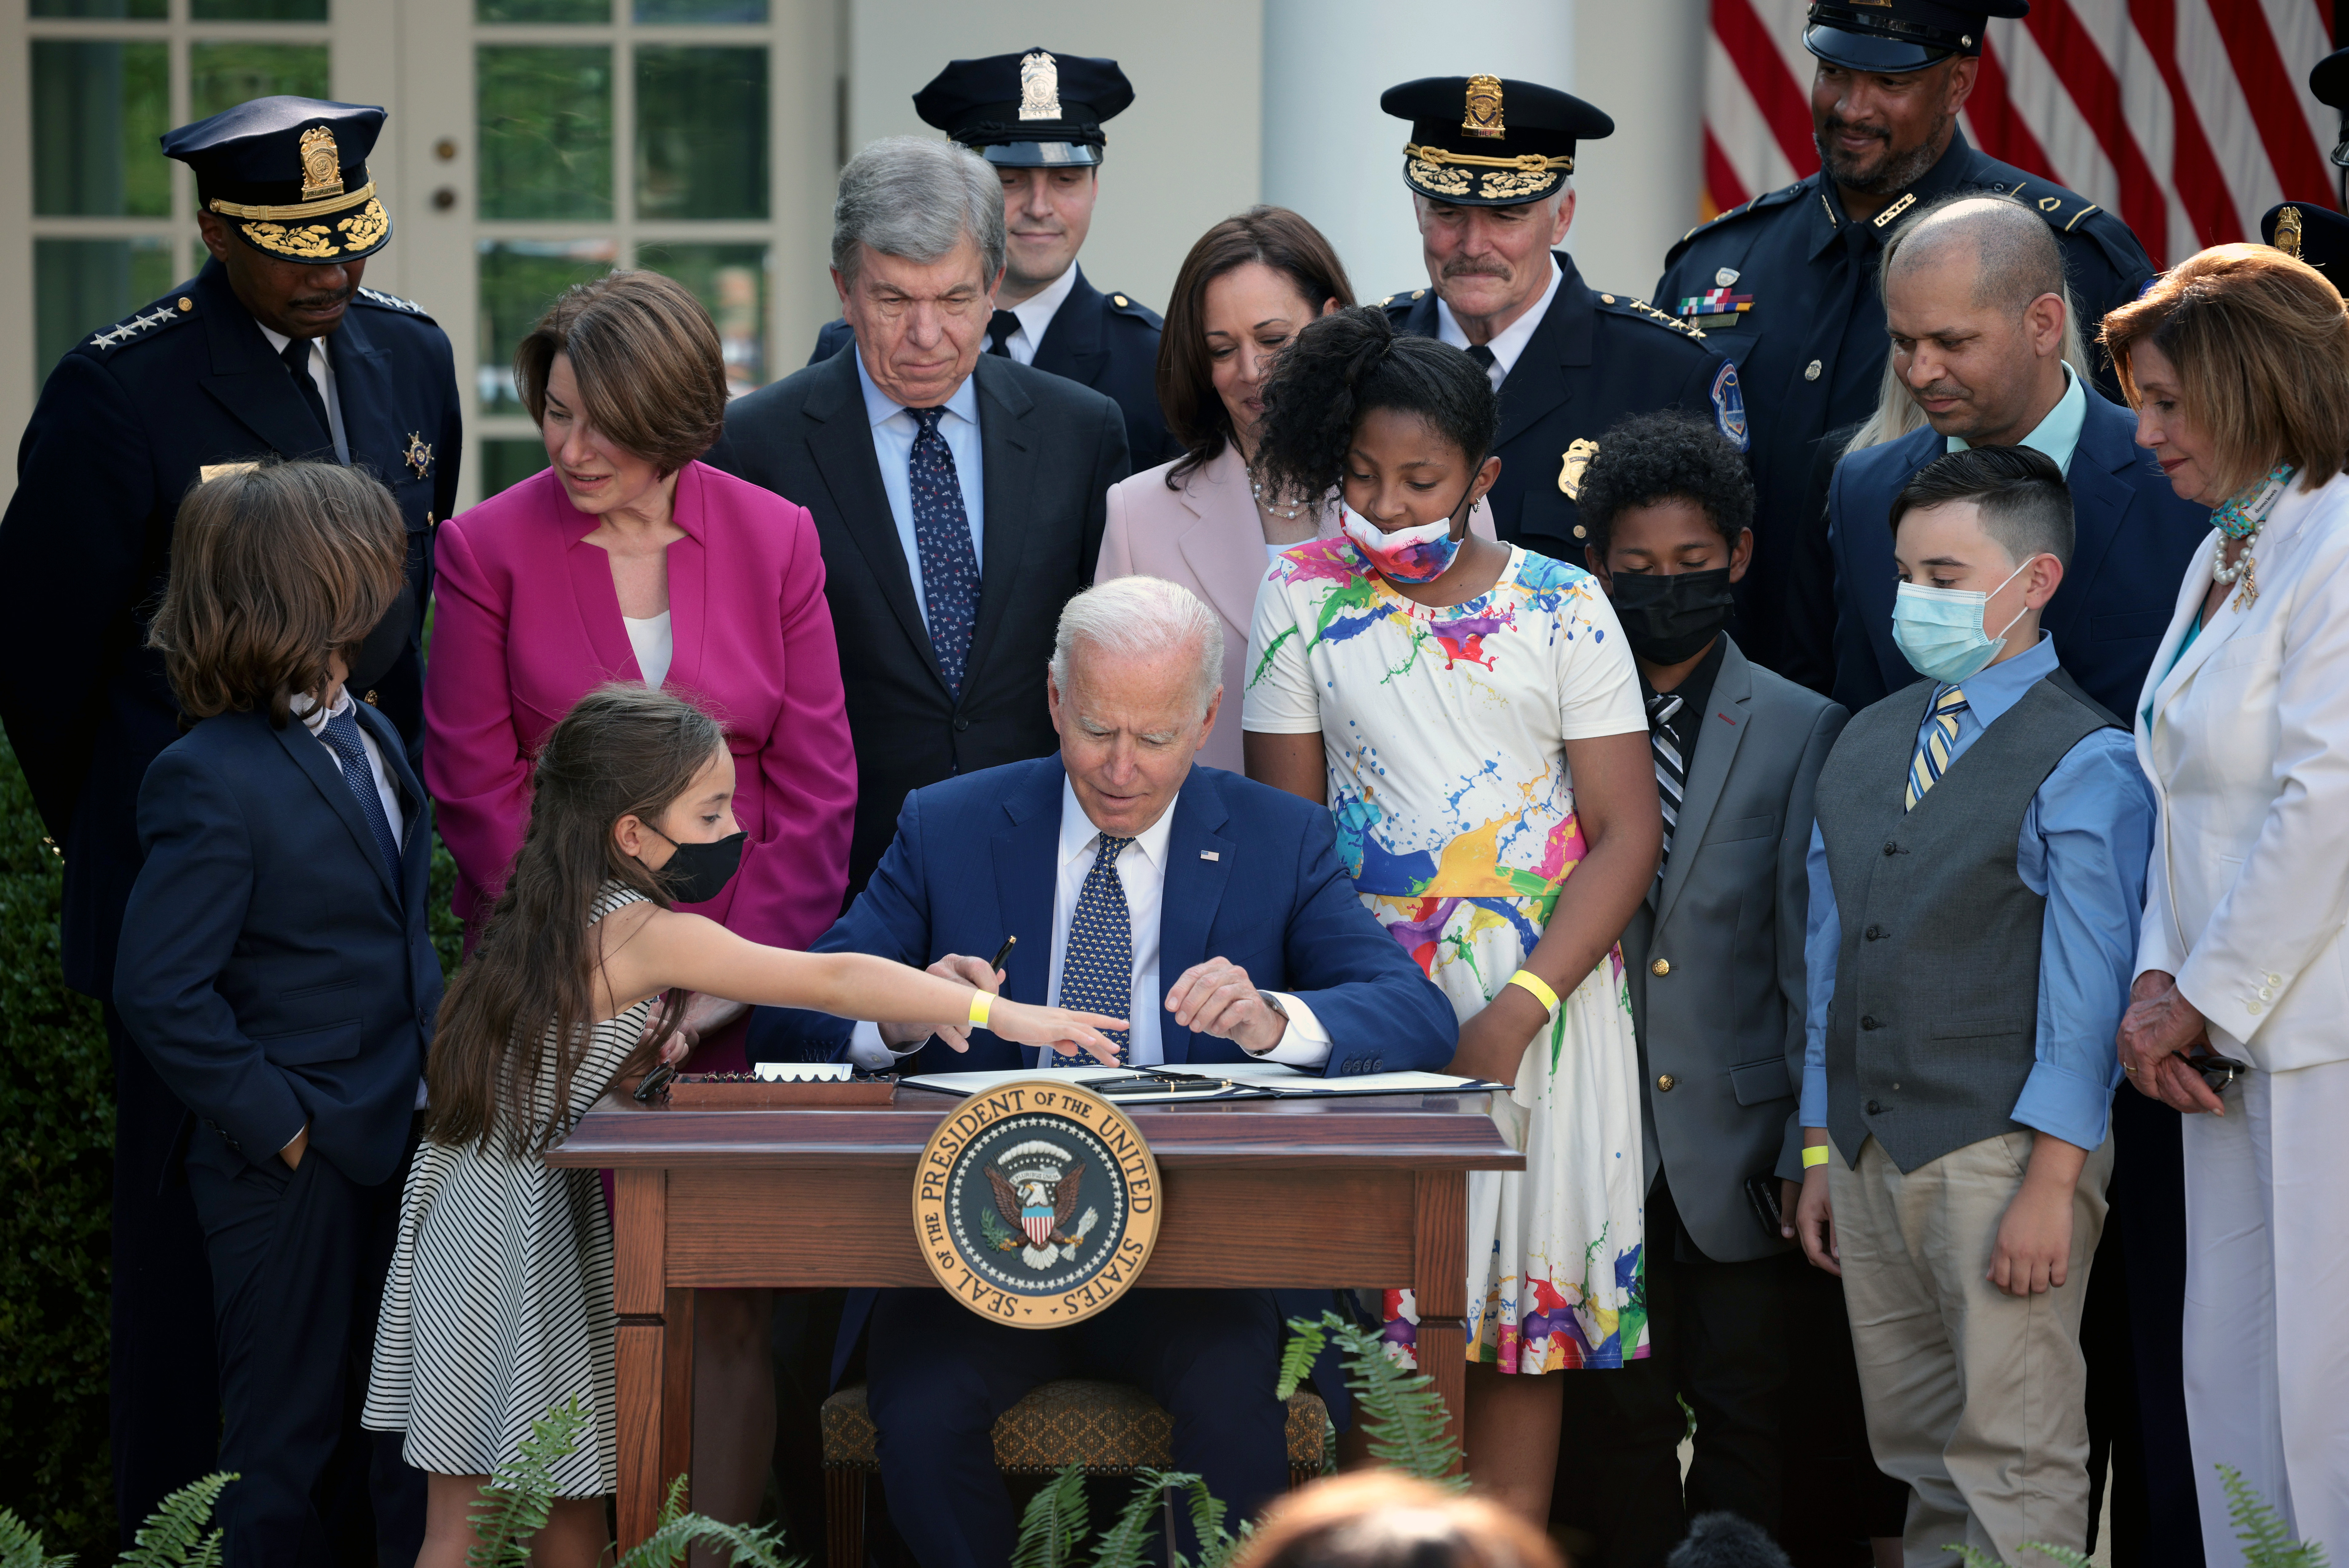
(1097, 973)
(942, 539)
(1933, 748)
(341, 735)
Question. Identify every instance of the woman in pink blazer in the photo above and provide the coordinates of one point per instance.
(1244, 291)
(627, 560)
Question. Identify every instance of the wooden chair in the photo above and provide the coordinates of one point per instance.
(1111, 1428)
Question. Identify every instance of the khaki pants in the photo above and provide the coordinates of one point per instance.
(1975, 1399)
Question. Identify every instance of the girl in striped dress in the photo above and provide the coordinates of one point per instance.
(498, 1303)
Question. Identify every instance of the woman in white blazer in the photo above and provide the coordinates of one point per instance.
(1244, 291)
(2237, 362)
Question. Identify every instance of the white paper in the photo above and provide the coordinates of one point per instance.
(803, 1072)
(1275, 1075)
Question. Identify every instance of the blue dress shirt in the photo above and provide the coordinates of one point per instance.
(2086, 839)
(894, 430)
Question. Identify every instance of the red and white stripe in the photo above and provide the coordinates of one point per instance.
(2189, 118)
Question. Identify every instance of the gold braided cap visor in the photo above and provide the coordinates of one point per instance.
(317, 209)
(1525, 163)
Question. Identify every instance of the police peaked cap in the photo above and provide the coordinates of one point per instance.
(1898, 35)
(1490, 142)
(1033, 109)
(289, 175)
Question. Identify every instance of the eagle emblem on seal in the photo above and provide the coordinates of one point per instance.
(1037, 1186)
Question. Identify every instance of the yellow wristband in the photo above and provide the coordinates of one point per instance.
(980, 1001)
(1535, 986)
(1817, 1154)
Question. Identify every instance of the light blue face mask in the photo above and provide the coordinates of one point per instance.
(1940, 630)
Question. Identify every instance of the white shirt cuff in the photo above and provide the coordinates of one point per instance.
(1304, 1043)
(866, 1050)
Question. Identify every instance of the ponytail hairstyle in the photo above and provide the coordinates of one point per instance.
(1343, 366)
(515, 1022)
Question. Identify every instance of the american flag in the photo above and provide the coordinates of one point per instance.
(2189, 118)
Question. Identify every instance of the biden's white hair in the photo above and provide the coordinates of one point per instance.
(1140, 618)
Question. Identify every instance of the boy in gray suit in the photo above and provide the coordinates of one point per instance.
(1716, 972)
(1977, 873)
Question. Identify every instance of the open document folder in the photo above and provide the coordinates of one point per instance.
(1209, 1080)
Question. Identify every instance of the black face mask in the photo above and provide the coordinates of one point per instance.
(1667, 619)
(697, 874)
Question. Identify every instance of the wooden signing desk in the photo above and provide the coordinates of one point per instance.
(1296, 1193)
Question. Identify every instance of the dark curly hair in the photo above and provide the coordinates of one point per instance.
(1667, 455)
(1343, 366)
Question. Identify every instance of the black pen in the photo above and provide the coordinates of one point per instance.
(1003, 952)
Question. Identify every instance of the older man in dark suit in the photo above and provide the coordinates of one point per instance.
(960, 497)
(1974, 298)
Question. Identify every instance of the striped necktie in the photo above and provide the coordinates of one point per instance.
(1671, 770)
(1097, 970)
(1933, 748)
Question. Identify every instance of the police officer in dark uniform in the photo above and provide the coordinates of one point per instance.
(1037, 117)
(1489, 165)
(274, 350)
(1785, 284)
(2319, 235)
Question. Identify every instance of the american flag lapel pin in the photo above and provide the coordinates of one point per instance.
(1209, 855)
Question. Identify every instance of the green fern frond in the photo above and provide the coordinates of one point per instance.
(1974, 1557)
(2063, 1554)
(1399, 1412)
(665, 1546)
(1224, 1554)
(1055, 1523)
(1207, 1512)
(513, 1504)
(2268, 1540)
(20, 1546)
(1122, 1545)
(174, 1536)
(1305, 1338)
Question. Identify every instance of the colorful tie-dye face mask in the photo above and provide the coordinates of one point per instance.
(1407, 554)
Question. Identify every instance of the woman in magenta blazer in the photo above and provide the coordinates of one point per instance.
(604, 567)
(627, 560)
(1244, 291)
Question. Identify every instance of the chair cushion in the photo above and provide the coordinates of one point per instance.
(1106, 1427)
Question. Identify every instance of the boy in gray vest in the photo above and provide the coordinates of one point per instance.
(1977, 872)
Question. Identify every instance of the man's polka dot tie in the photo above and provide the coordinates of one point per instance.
(1097, 974)
(942, 539)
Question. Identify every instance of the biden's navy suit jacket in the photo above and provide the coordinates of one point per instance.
(974, 861)
(2133, 539)
(271, 970)
(1252, 876)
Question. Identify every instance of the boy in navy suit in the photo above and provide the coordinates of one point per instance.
(276, 970)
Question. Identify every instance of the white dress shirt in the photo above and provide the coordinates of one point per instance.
(1511, 340)
(1141, 868)
(1036, 313)
(894, 431)
(322, 372)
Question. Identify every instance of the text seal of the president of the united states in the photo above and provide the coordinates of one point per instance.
(1036, 1204)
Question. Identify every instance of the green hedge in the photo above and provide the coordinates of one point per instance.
(56, 1140)
(57, 1153)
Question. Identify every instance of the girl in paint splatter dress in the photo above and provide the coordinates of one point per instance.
(1471, 715)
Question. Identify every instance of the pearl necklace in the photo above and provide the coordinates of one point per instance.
(1255, 487)
(2241, 518)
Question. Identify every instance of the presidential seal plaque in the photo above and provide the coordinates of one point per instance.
(1037, 1204)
